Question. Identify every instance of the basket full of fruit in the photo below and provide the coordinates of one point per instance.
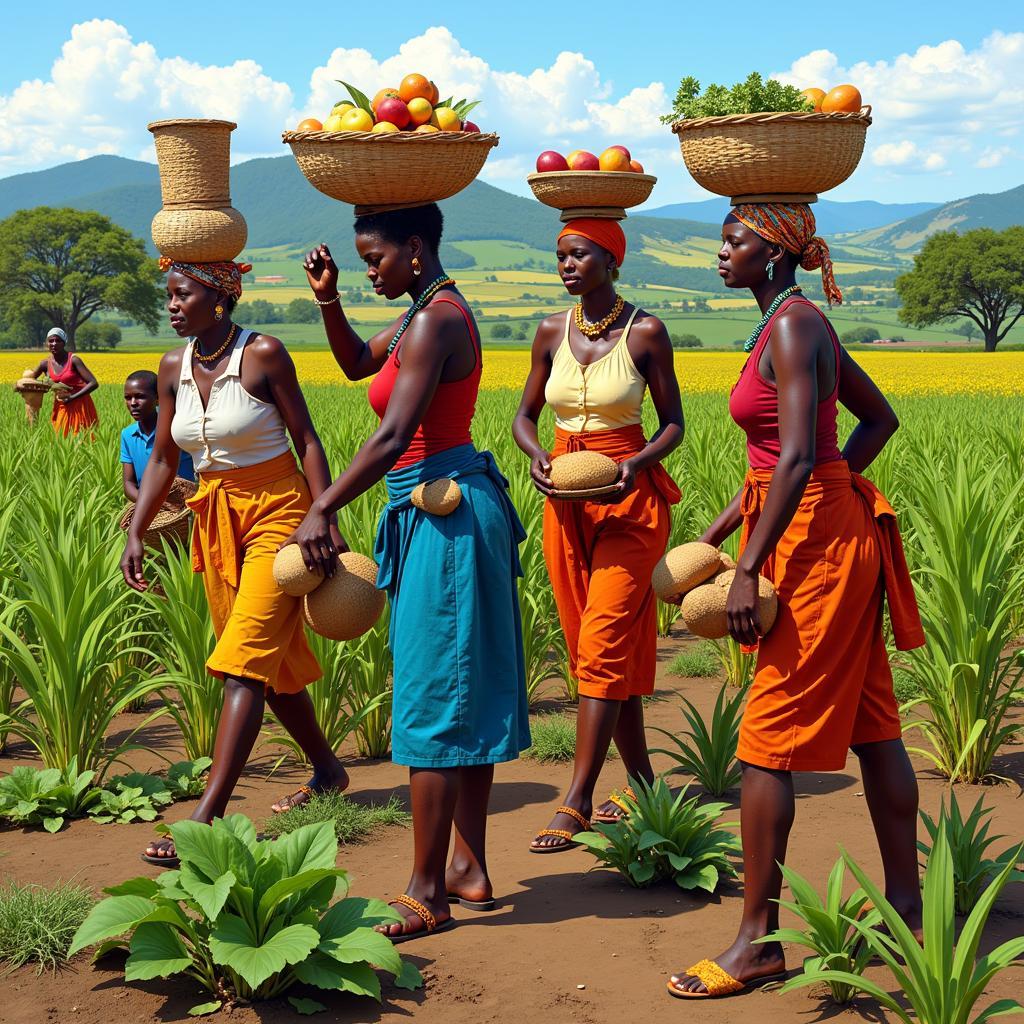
(403, 148)
(767, 142)
(584, 185)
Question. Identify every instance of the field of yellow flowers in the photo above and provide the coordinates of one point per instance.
(898, 374)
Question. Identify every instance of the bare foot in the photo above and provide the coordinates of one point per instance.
(743, 961)
(337, 781)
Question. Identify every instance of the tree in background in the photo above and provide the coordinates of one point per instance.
(59, 267)
(969, 329)
(978, 275)
(502, 332)
(301, 311)
(860, 336)
(98, 334)
(257, 311)
(686, 341)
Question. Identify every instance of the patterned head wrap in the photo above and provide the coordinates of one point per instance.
(605, 233)
(222, 277)
(792, 226)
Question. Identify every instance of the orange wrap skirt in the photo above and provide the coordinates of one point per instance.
(600, 558)
(241, 518)
(823, 682)
(74, 417)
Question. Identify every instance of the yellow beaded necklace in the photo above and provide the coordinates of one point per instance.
(592, 330)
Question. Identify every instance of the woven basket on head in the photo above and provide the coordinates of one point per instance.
(393, 170)
(591, 193)
(767, 157)
(173, 521)
(197, 223)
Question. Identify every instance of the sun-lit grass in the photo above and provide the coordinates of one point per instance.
(37, 923)
(352, 821)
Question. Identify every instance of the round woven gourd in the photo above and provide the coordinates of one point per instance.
(592, 193)
(199, 236)
(728, 562)
(703, 611)
(173, 520)
(684, 567)
(392, 170)
(438, 497)
(291, 574)
(582, 471)
(773, 156)
(347, 604)
(767, 597)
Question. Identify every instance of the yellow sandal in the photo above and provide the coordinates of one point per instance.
(719, 982)
(616, 798)
(561, 833)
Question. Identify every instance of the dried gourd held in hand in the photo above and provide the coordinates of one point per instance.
(581, 475)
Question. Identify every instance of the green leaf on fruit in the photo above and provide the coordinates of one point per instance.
(360, 99)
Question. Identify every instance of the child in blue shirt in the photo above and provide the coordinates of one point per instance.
(140, 395)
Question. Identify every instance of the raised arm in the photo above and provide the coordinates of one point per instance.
(876, 420)
(160, 472)
(358, 359)
(524, 425)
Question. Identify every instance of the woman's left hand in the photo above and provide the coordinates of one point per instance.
(627, 478)
(319, 541)
(741, 609)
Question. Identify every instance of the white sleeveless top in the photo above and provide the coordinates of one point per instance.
(235, 429)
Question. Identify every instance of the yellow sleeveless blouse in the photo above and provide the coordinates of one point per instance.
(607, 394)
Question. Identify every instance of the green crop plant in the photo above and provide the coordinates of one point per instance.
(942, 981)
(248, 919)
(38, 922)
(707, 751)
(187, 779)
(48, 797)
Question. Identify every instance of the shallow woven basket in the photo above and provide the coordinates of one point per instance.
(788, 157)
(394, 170)
(173, 521)
(592, 193)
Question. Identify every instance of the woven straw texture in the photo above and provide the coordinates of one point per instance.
(779, 155)
(347, 604)
(394, 169)
(173, 521)
(565, 190)
(194, 155)
(199, 236)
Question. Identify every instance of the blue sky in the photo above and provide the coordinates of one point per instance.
(946, 80)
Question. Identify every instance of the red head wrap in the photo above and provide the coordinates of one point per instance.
(222, 277)
(606, 233)
(792, 226)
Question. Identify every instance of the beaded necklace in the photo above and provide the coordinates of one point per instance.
(748, 345)
(592, 330)
(428, 293)
(213, 356)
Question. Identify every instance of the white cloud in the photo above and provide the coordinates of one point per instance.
(993, 156)
(908, 155)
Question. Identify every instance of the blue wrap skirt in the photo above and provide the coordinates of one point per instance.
(455, 633)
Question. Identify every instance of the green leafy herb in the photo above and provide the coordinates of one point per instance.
(750, 97)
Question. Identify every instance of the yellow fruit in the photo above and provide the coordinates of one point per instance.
(335, 123)
(426, 128)
(356, 120)
(341, 106)
(444, 119)
(420, 110)
(383, 128)
(814, 96)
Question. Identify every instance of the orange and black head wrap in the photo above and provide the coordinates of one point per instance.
(225, 276)
(792, 226)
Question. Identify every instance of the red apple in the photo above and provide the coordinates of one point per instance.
(624, 150)
(551, 161)
(394, 110)
(469, 126)
(581, 160)
(636, 167)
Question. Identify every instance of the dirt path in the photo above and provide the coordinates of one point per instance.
(564, 945)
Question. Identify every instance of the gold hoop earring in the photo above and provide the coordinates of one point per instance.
(218, 312)
(416, 269)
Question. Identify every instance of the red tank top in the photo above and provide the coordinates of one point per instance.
(69, 375)
(754, 405)
(446, 423)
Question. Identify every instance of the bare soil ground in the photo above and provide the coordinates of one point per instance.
(564, 945)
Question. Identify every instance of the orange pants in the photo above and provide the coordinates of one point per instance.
(74, 417)
(823, 682)
(600, 558)
(241, 518)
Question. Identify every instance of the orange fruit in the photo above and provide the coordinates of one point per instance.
(425, 128)
(446, 120)
(636, 167)
(435, 96)
(415, 87)
(420, 110)
(814, 96)
(383, 95)
(356, 120)
(310, 124)
(614, 159)
(842, 99)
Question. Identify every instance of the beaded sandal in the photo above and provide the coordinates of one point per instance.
(430, 924)
(292, 800)
(616, 798)
(719, 982)
(561, 833)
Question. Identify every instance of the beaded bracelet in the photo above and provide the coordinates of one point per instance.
(327, 302)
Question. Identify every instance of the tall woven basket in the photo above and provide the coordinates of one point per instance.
(773, 157)
(197, 222)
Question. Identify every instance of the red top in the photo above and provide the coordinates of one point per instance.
(447, 420)
(754, 404)
(69, 375)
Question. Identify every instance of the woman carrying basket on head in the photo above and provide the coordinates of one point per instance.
(231, 399)
(73, 410)
(828, 540)
(593, 366)
(459, 682)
